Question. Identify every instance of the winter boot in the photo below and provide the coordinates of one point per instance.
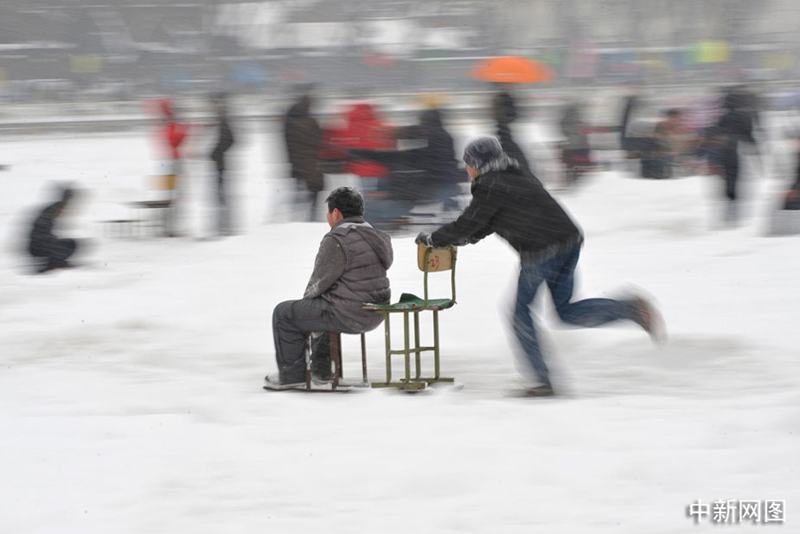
(648, 317)
(545, 390)
(274, 382)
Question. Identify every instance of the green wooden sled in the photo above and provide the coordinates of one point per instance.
(429, 260)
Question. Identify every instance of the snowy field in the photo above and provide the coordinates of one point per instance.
(131, 400)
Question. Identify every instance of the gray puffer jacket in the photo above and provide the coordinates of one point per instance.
(351, 270)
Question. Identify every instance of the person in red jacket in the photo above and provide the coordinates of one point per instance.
(366, 130)
(363, 128)
(172, 134)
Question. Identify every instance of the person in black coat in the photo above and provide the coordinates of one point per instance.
(225, 140)
(734, 127)
(429, 173)
(504, 112)
(792, 196)
(628, 143)
(514, 204)
(575, 151)
(48, 250)
(437, 159)
(303, 142)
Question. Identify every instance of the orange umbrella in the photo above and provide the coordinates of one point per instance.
(512, 70)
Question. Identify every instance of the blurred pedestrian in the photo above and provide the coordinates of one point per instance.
(630, 107)
(575, 152)
(792, 196)
(225, 140)
(734, 127)
(437, 159)
(663, 148)
(47, 249)
(514, 204)
(425, 174)
(504, 112)
(786, 219)
(172, 135)
(303, 138)
(362, 127)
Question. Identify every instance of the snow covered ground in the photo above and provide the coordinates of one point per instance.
(131, 400)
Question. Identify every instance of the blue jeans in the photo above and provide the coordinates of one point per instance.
(559, 274)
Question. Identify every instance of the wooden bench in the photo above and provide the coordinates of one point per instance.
(155, 214)
(120, 227)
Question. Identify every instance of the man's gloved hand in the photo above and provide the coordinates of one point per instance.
(424, 238)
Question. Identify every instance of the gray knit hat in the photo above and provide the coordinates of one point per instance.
(481, 151)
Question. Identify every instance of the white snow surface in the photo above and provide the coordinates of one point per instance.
(131, 399)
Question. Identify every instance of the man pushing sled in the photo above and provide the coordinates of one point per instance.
(514, 204)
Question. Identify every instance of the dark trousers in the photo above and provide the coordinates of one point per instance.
(292, 322)
(559, 274)
(54, 254)
(306, 198)
(730, 169)
(223, 216)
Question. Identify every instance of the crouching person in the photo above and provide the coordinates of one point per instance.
(350, 270)
(48, 250)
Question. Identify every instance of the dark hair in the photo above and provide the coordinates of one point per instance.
(348, 200)
(674, 112)
(63, 191)
(67, 194)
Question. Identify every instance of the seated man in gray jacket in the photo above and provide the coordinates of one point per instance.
(350, 270)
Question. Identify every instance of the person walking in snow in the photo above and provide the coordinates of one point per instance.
(514, 204)
(504, 112)
(350, 270)
(428, 173)
(225, 140)
(303, 138)
(735, 127)
(172, 135)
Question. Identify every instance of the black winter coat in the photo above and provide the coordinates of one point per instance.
(224, 143)
(438, 157)
(303, 141)
(631, 103)
(734, 127)
(505, 112)
(417, 173)
(516, 206)
(42, 238)
(511, 147)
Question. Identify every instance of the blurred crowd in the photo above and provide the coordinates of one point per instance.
(411, 174)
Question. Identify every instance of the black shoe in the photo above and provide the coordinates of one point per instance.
(321, 370)
(539, 391)
(648, 317)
